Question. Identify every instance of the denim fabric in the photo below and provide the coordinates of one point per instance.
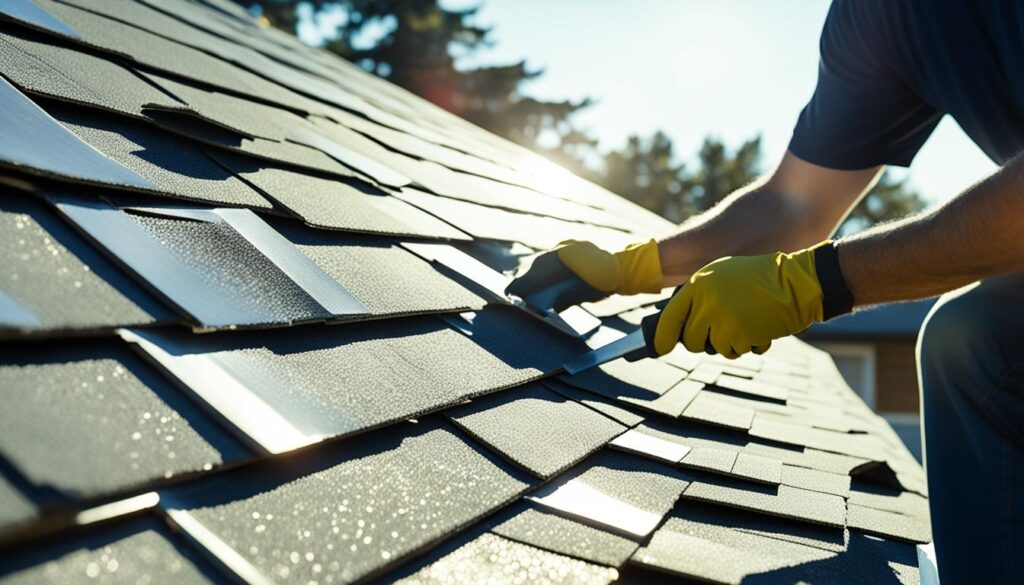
(971, 369)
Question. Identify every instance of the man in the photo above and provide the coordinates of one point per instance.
(890, 69)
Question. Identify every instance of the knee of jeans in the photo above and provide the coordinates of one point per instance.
(956, 329)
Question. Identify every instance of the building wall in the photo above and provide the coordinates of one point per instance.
(896, 377)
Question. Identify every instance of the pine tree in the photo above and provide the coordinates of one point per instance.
(416, 52)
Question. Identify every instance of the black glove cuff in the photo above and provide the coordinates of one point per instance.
(837, 299)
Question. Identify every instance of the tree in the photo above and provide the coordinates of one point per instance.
(415, 47)
(888, 201)
(646, 172)
(720, 173)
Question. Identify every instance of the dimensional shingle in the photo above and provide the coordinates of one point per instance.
(32, 140)
(783, 500)
(493, 559)
(535, 428)
(61, 279)
(174, 166)
(536, 231)
(64, 73)
(552, 532)
(370, 503)
(602, 405)
(136, 551)
(617, 491)
(708, 407)
(120, 423)
(816, 480)
(387, 279)
(285, 390)
(341, 204)
(827, 538)
(165, 55)
(891, 524)
(634, 441)
(853, 444)
(30, 14)
(718, 554)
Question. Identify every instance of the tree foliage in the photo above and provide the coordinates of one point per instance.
(415, 46)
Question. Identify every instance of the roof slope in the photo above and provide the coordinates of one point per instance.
(253, 329)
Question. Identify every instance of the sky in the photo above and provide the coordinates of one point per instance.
(728, 68)
(692, 68)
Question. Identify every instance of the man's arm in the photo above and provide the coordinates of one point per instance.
(977, 234)
(792, 207)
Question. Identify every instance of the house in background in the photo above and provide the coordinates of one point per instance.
(874, 350)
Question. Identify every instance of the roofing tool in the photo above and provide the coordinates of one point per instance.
(635, 346)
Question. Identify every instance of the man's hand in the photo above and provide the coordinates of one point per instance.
(581, 272)
(740, 304)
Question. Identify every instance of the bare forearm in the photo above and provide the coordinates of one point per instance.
(751, 221)
(974, 236)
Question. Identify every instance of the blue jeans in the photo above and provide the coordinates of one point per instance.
(971, 369)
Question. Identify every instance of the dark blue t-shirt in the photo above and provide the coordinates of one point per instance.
(890, 69)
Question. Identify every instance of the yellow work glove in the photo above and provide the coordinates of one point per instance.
(740, 304)
(577, 272)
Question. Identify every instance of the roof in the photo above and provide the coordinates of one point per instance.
(254, 330)
(891, 321)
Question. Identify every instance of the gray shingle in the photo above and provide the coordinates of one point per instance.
(28, 13)
(333, 380)
(120, 423)
(535, 428)
(853, 444)
(348, 205)
(816, 480)
(221, 260)
(169, 56)
(52, 272)
(174, 166)
(757, 468)
(751, 387)
(605, 407)
(32, 140)
(137, 551)
(386, 278)
(827, 538)
(492, 223)
(67, 74)
(617, 491)
(890, 524)
(393, 494)
(710, 408)
(785, 501)
(493, 559)
(15, 507)
(719, 554)
(710, 459)
(561, 535)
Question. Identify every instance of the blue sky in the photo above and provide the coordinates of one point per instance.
(729, 68)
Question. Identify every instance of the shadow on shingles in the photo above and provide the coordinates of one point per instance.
(521, 341)
(195, 127)
(866, 561)
(229, 448)
(98, 263)
(96, 539)
(270, 474)
(599, 381)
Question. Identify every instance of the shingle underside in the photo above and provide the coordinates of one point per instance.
(247, 276)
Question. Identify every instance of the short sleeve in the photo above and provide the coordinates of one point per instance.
(863, 113)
